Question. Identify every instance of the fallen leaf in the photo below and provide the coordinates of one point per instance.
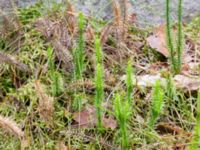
(147, 80)
(179, 146)
(62, 146)
(87, 119)
(109, 123)
(173, 129)
(181, 136)
(187, 83)
(180, 81)
(158, 41)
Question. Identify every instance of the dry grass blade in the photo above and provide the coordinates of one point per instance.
(10, 126)
(46, 103)
(12, 61)
(104, 34)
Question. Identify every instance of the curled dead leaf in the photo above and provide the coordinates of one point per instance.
(87, 119)
(158, 40)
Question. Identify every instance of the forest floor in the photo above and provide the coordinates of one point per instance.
(46, 104)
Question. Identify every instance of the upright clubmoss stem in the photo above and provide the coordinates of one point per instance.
(169, 35)
(175, 50)
(99, 83)
(129, 81)
(180, 36)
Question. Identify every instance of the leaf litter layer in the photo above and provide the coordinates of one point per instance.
(43, 106)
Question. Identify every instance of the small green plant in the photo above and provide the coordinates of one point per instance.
(171, 89)
(195, 143)
(57, 84)
(99, 82)
(157, 103)
(98, 51)
(129, 81)
(99, 94)
(79, 55)
(50, 58)
(122, 113)
(79, 58)
(175, 50)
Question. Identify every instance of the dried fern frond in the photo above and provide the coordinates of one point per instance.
(79, 84)
(104, 33)
(4, 17)
(46, 103)
(55, 29)
(89, 34)
(5, 58)
(126, 9)
(71, 19)
(11, 126)
(8, 21)
(118, 24)
(117, 12)
(63, 54)
(57, 33)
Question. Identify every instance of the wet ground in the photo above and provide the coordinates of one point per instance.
(149, 12)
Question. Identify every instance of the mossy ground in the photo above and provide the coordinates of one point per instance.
(19, 100)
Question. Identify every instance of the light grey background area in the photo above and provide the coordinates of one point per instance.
(149, 12)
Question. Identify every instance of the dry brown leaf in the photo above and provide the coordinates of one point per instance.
(87, 119)
(178, 134)
(158, 41)
(179, 146)
(62, 146)
(173, 129)
(109, 123)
